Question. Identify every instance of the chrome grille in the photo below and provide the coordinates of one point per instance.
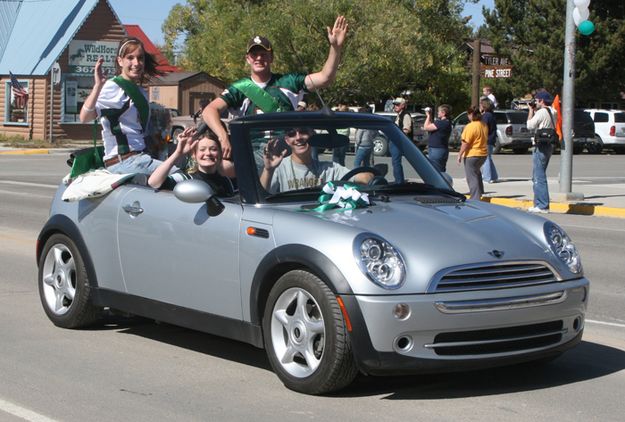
(495, 276)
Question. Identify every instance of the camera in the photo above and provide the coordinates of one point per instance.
(532, 103)
(428, 109)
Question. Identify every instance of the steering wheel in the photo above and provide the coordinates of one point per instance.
(377, 179)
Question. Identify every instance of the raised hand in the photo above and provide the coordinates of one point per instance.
(271, 156)
(99, 77)
(336, 35)
(185, 141)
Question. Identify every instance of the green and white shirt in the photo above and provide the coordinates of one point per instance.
(287, 89)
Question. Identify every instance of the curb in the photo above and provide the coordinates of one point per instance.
(561, 208)
(25, 152)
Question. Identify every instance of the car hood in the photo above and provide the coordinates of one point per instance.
(435, 236)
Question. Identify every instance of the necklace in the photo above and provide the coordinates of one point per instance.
(315, 172)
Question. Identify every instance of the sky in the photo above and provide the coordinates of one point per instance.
(150, 14)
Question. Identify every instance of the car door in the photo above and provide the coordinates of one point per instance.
(173, 252)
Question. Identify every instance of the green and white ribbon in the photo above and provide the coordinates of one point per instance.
(347, 197)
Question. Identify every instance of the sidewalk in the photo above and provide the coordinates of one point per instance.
(605, 200)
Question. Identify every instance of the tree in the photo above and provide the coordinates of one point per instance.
(531, 33)
(393, 45)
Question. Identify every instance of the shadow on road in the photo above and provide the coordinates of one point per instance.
(585, 362)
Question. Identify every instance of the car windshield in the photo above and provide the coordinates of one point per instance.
(299, 159)
(518, 117)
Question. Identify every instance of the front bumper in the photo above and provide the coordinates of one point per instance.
(539, 322)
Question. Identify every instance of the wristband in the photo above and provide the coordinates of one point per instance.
(87, 108)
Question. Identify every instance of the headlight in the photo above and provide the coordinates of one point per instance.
(562, 245)
(379, 261)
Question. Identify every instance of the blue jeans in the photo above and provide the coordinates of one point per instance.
(398, 170)
(338, 155)
(363, 157)
(489, 171)
(438, 157)
(140, 163)
(540, 161)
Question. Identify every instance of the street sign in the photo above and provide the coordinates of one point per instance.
(496, 71)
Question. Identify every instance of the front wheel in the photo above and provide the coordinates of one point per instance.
(380, 146)
(63, 284)
(305, 336)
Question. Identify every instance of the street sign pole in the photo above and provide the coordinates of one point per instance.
(475, 88)
(568, 104)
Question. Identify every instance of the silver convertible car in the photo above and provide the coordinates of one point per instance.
(333, 270)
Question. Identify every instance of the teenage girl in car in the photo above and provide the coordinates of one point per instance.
(122, 106)
(206, 164)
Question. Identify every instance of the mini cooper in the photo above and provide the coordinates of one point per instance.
(334, 271)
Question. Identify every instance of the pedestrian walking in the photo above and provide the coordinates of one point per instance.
(364, 144)
(473, 151)
(541, 116)
(489, 171)
(438, 139)
(404, 121)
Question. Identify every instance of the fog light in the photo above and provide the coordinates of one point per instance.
(401, 311)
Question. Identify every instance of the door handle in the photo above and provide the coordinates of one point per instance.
(134, 209)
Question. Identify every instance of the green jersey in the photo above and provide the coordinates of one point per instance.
(287, 89)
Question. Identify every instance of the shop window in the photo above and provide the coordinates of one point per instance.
(76, 89)
(16, 103)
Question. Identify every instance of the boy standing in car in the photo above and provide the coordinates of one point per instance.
(265, 91)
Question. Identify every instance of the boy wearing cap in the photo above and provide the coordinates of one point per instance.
(541, 116)
(265, 91)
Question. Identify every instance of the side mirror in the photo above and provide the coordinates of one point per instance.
(196, 191)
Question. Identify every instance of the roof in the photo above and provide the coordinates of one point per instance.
(33, 52)
(174, 78)
(163, 63)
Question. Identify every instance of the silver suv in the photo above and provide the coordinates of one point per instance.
(512, 131)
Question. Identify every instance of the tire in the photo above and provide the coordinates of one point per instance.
(595, 147)
(64, 287)
(305, 336)
(380, 146)
(520, 150)
(176, 131)
(578, 149)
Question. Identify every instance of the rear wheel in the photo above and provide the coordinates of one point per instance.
(305, 335)
(520, 150)
(595, 147)
(63, 284)
(578, 149)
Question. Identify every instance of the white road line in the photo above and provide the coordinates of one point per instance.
(611, 324)
(40, 185)
(23, 413)
(30, 195)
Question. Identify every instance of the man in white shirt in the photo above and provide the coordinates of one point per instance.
(541, 116)
(487, 91)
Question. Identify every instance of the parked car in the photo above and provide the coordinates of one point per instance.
(584, 133)
(610, 128)
(419, 136)
(512, 131)
(411, 278)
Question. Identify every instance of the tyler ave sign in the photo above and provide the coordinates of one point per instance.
(495, 67)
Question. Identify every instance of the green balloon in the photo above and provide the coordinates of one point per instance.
(586, 27)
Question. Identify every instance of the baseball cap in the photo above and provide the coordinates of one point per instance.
(399, 100)
(259, 41)
(545, 96)
(302, 104)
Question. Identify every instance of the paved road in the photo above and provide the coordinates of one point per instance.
(134, 369)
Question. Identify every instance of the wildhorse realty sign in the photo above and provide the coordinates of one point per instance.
(83, 56)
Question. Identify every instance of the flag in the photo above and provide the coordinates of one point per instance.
(558, 109)
(19, 93)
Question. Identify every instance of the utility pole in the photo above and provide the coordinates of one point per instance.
(475, 81)
(568, 104)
